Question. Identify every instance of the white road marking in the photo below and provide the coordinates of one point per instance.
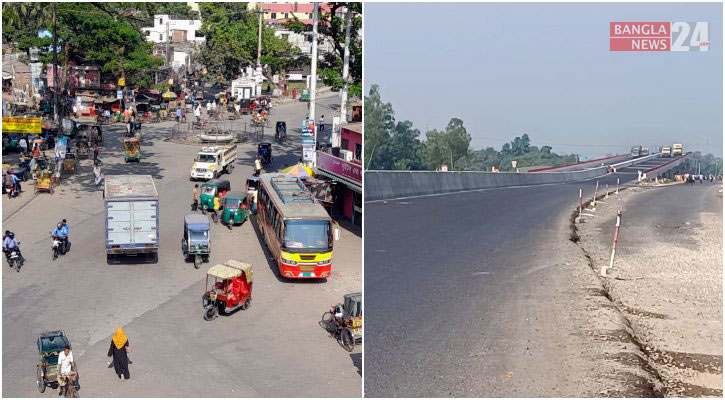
(482, 273)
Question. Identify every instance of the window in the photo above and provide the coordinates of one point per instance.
(198, 34)
(147, 33)
(358, 151)
(274, 15)
(286, 15)
(345, 144)
(307, 234)
(161, 36)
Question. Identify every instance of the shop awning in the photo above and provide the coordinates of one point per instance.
(347, 182)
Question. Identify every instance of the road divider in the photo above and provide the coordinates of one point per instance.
(384, 185)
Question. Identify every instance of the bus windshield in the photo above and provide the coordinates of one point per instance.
(307, 234)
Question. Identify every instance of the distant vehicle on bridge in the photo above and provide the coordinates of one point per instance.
(639, 151)
(666, 151)
(676, 149)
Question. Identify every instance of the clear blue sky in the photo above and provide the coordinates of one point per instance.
(546, 70)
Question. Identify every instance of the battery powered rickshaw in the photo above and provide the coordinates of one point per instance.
(264, 151)
(70, 163)
(196, 243)
(251, 187)
(44, 181)
(228, 288)
(213, 189)
(344, 321)
(50, 345)
(131, 149)
(280, 131)
(236, 209)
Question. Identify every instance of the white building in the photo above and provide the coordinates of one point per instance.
(178, 30)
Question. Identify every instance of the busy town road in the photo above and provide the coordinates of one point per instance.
(479, 294)
(274, 349)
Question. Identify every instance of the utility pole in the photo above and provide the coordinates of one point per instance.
(167, 43)
(345, 78)
(55, 70)
(259, 38)
(313, 75)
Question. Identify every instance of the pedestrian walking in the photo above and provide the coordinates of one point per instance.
(208, 108)
(195, 198)
(119, 351)
(197, 113)
(97, 173)
(178, 114)
(95, 151)
(23, 143)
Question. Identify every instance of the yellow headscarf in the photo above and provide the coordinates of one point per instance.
(119, 338)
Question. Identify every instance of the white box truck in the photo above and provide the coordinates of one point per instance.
(212, 161)
(132, 215)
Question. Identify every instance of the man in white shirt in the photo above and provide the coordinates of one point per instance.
(66, 368)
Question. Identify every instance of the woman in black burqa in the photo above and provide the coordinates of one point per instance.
(119, 350)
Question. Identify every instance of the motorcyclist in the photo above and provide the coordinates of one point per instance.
(61, 232)
(10, 244)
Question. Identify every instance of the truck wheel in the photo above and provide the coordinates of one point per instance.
(197, 261)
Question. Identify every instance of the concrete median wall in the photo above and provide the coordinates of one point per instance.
(381, 185)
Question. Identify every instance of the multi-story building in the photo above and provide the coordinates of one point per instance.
(174, 30)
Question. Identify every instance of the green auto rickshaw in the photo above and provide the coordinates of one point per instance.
(196, 243)
(211, 193)
(132, 149)
(236, 209)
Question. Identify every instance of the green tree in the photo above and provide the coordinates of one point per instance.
(379, 121)
(332, 27)
(231, 43)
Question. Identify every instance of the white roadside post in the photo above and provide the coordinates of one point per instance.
(604, 269)
(594, 199)
(617, 192)
(580, 205)
(606, 193)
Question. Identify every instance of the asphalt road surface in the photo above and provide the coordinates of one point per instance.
(274, 349)
(462, 290)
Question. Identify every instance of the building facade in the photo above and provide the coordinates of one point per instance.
(174, 30)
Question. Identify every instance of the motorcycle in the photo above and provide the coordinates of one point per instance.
(12, 192)
(15, 260)
(57, 242)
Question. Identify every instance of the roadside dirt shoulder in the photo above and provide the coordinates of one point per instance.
(667, 279)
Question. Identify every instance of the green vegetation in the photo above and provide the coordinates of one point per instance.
(332, 28)
(395, 145)
(231, 43)
(709, 164)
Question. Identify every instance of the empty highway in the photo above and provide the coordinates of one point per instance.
(482, 294)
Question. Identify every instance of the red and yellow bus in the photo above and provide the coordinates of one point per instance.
(296, 228)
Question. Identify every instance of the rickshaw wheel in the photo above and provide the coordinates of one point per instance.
(347, 339)
(247, 303)
(211, 313)
(326, 322)
(197, 261)
(39, 380)
(35, 190)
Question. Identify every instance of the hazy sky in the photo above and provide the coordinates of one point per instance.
(546, 70)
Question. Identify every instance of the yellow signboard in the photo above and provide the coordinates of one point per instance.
(121, 81)
(21, 125)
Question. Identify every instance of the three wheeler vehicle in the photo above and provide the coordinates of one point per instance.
(131, 148)
(251, 188)
(196, 243)
(70, 163)
(214, 188)
(50, 345)
(344, 321)
(236, 209)
(280, 131)
(264, 151)
(44, 181)
(228, 288)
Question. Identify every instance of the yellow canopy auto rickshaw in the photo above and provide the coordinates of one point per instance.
(132, 149)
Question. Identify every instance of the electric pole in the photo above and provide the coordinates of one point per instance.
(345, 78)
(259, 38)
(167, 43)
(55, 70)
(313, 76)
